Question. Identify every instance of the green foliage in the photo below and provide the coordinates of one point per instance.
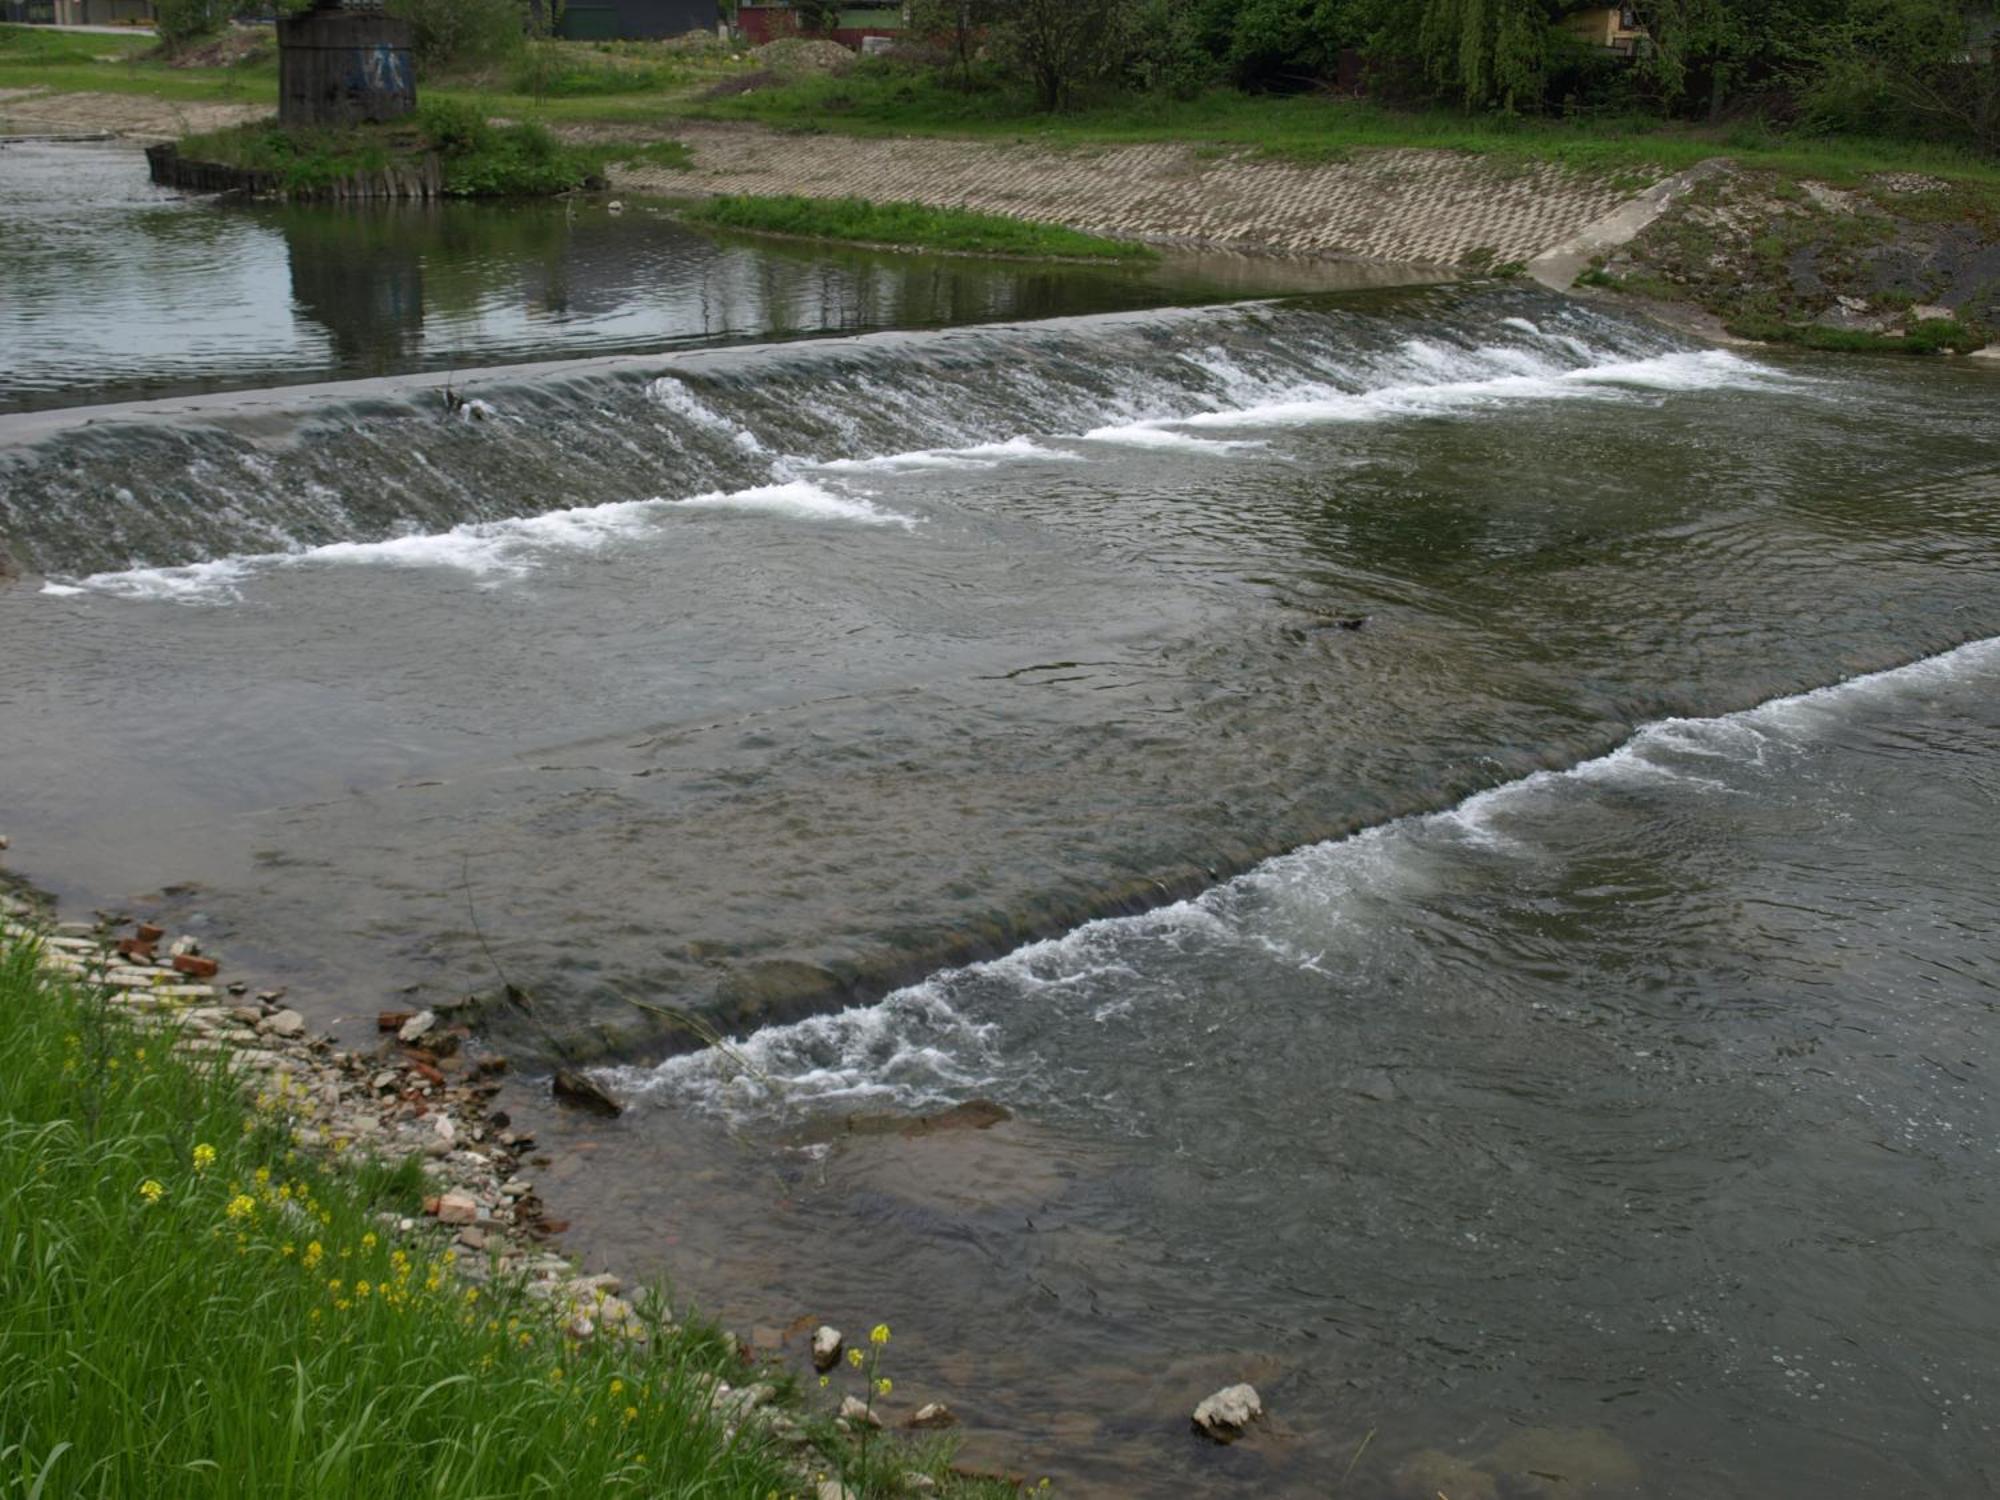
(477, 159)
(908, 225)
(1061, 45)
(458, 34)
(1931, 336)
(190, 1306)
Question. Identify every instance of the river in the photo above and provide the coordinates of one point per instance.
(1462, 827)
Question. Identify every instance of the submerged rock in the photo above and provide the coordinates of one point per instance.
(933, 1414)
(576, 1088)
(1426, 1475)
(1564, 1463)
(1226, 1414)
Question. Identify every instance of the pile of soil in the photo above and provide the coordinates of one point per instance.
(239, 44)
(796, 55)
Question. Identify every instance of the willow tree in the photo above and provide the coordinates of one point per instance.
(1487, 52)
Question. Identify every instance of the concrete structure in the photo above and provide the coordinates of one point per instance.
(94, 12)
(344, 67)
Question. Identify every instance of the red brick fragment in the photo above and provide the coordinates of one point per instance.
(195, 966)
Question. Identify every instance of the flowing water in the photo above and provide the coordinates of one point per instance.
(1462, 827)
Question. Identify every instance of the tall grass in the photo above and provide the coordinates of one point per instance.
(189, 1306)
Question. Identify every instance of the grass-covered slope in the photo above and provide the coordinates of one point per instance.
(191, 1306)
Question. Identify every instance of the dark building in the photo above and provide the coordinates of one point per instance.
(599, 20)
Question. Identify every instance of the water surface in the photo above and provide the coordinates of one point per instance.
(1535, 775)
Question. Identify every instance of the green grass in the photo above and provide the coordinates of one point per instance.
(1930, 336)
(641, 83)
(884, 98)
(479, 159)
(191, 1307)
(908, 226)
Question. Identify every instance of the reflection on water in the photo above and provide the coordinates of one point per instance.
(118, 289)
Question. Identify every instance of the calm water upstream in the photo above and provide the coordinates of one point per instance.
(1464, 828)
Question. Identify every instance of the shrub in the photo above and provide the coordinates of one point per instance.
(179, 22)
(463, 33)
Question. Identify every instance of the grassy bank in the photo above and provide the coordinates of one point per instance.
(190, 1306)
(642, 86)
(909, 226)
(477, 159)
(885, 98)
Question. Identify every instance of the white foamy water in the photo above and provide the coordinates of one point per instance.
(485, 549)
(977, 456)
(917, 1049)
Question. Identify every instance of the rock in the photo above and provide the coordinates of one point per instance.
(457, 1208)
(1228, 1412)
(183, 947)
(1563, 1463)
(826, 1347)
(446, 1130)
(416, 1026)
(854, 1410)
(1927, 312)
(1426, 1475)
(472, 1239)
(934, 1414)
(195, 968)
(833, 1489)
(285, 1023)
(393, 1020)
(576, 1088)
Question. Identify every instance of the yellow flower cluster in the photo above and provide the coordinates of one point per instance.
(151, 1190)
(204, 1157)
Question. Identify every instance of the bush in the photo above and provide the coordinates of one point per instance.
(179, 22)
(463, 33)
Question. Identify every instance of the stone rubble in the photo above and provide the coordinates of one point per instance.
(1224, 1415)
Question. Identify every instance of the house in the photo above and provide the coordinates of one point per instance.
(1615, 28)
(103, 12)
(607, 20)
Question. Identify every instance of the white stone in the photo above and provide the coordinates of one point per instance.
(826, 1347)
(285, 1023)
(417, 1026)
(933, 1414)
(854, 1409)
(1224, 1415)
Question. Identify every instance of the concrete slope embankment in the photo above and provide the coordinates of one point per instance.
(1430, 207)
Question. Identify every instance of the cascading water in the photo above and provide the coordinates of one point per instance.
(1591, 1090)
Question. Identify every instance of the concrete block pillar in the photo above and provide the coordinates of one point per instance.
(344, 67)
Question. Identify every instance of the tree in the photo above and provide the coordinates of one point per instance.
(956, 23)
(1061, 44)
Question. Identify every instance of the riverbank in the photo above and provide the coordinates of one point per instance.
(191, 1165)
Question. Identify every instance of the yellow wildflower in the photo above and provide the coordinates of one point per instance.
(151, 1191)
(263, 1176)
(368, 1240)
(617, 1386)
(242, 1206)
(824, 1382)
(314, 1252)
(879, 1334)
(631, 1413)
(204, 1157)
(884, 1386)
(854, 1357)
(362, 1289)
